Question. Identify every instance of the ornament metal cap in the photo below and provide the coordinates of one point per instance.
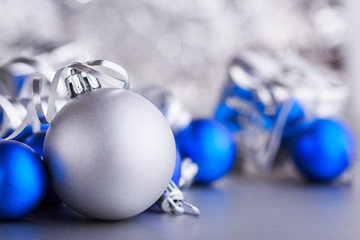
(79, 82)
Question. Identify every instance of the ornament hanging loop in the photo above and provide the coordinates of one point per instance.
(173, 201)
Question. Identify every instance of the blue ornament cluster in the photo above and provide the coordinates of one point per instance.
(322, 149)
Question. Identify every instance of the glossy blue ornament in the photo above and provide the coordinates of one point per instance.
(210, 145)
(177, 171)
(323, 150)
(23, 180)
(36, 142)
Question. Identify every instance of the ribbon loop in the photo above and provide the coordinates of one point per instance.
(35, 107)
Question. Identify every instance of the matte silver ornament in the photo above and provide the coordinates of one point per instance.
(110, 153)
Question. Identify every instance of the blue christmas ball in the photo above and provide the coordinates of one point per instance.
(177, 171)
(36, 142)
(23, 180)
(210, 145)
(323, 150)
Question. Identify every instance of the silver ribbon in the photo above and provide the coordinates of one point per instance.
(39, 66)
(35, 107)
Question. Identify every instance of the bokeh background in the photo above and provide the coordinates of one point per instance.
(184, 45)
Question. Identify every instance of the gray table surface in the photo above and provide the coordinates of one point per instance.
(236, 207)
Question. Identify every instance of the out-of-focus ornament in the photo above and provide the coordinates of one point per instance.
(110, 153)
(323, 149)
(23, 180)
(267, 93)
(210, 145)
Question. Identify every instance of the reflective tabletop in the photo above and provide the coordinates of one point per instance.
(236, 207)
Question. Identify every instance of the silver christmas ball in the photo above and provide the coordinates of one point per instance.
(110, 153)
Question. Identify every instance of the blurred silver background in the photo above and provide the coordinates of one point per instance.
(184, 45)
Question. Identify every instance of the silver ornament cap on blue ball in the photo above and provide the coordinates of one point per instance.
(110, 152)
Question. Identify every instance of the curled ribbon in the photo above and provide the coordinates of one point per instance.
(39, 66)
(35, 107)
